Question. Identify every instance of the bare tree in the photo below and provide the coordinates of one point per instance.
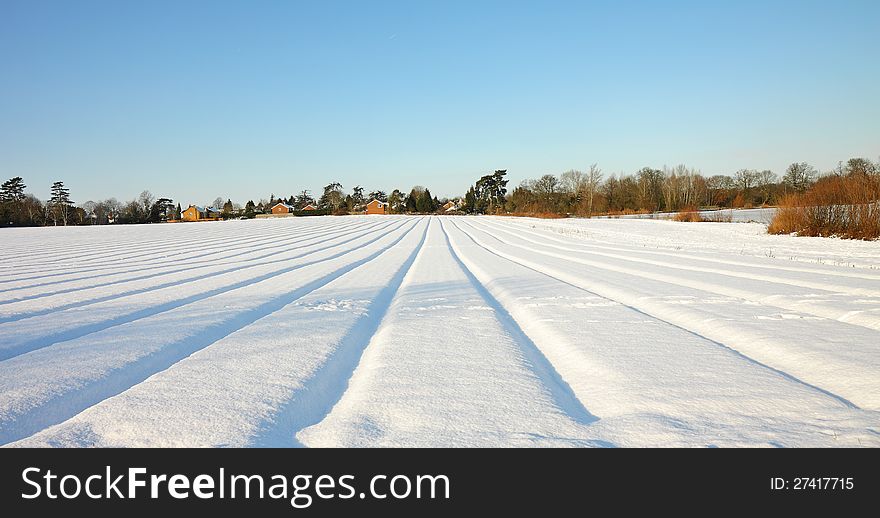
(573, 183)
(146, 200)
(611, 190)
(766, 180)
(594, 178)
(860, 166)
(90, 208)
(799, 176)
(546, 188)
(650, 188)
(745, 180)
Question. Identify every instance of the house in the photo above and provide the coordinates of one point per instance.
(309, 207)
(282, 208)
(449, 205)
(377, 207)
(196, 213)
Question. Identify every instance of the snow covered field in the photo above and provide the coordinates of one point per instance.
(432, 331)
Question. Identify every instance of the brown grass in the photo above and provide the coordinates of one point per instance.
(688, 215)
(542, 215)
(738, 202)
(719, 216)
(843, 206)
(624, 212)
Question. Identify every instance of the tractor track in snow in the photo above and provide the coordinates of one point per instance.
(138, 333)
(266, 243)
(70, 403)
(853, 317)
(81, 331)
(712, 333)
(761, 263)
(241, 265)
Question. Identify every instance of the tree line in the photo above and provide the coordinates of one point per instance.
(18, 208)
(574, 192)
(587, 193)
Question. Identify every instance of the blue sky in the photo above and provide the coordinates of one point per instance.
(199, 99)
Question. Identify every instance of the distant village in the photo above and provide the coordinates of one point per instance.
(304, 205)
(20, 209)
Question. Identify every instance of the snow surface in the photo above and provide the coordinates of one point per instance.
(437, 331)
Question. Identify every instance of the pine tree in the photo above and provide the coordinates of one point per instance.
(470, 201)
(160, 210)
(490, 191)
(332, 199)
(249, 209)
(12, 201)
(395, 201)
(12, 190)
(59, 203)
(425, 203)
(302, 199)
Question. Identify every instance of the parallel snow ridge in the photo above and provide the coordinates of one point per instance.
(437, 331)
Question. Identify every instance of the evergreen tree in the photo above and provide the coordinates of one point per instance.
(12, 202)
(249, 209)
(332, 198)
(470, 201)
(59, 203)
(396, 201)
(425, 203)
(161, 210)
(357, 196)
(303, 198)
(410, 204)
(12, 190)
(490, 191)
(228, 209)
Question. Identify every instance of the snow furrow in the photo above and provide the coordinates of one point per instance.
(189, 252)
(558, 235)
(669, 387)
(73, 326)
(265, 369)
(437, 331)
(217, 260)
(434, 376)
(72, 256)
(831, 302)
(812, 351)
(59, 301)
(561, 391)
(144, 348)
(853, 283)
